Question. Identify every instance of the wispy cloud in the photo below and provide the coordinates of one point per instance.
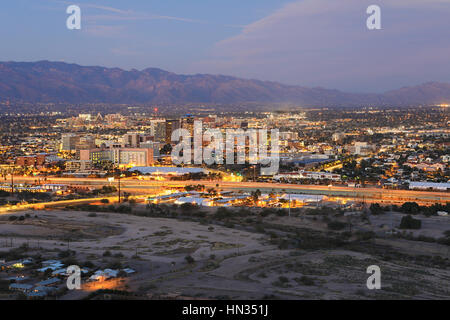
(103, 30)
(326, 43)
(123, 15)
(136, 17)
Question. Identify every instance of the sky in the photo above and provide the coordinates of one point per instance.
(312, 43)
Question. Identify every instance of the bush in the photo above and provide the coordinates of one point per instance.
(304, 280)
(189, 259)
(376, 209)
(222, 213)
(187, 208)
(123, 209)
(115, 265)
(336, 225)
(88, 264)
(408, 222)
(410, 207)
(107, 253)
(65, 254)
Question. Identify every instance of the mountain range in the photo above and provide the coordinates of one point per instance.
(60, 82)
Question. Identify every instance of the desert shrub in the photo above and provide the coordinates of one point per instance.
(304, 280)
(376, 209)
(336, 225)
(408, 222)
(189, 259)
(410, 208)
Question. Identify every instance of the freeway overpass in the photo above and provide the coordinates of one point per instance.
(371, 194)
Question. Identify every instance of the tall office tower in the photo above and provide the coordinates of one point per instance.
(69, 141)
(187, 122)
(152, 145)
(86, 142)
(158, 130)
(171, 126)
(132, 139)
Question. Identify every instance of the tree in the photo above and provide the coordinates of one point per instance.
(166, 149)
(187, 207)
(255, 195)
(376, 209)
(410, 207)
(408, 222)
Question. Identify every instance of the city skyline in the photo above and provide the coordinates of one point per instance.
(224, 154)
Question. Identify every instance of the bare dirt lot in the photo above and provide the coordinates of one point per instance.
(228, 262)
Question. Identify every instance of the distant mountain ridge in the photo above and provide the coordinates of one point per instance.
(60, 82)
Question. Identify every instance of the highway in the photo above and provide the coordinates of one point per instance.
(370, 194)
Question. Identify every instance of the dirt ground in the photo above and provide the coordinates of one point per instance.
(227, 262)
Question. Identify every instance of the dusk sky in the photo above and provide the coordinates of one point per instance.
(308, 42)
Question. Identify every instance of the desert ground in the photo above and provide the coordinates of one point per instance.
(284, 258)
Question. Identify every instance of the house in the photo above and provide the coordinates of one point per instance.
(27, 261)
(101, 275)
(17, 279)
(194, 201)
(20, 287)
(16, 264)
(60, 272)
(48, 282)
(52, 265)
(44, 269)
(129, 271)
(40, 292)
(49, 262)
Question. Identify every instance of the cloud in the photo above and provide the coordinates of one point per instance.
(122, 15)
(326, 43)
(135, 17)
(104, 30)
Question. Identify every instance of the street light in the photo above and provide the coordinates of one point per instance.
(120, 175)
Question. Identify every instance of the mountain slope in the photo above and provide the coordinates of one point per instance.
(46, 81)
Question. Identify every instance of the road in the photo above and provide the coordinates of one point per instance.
(370, 194)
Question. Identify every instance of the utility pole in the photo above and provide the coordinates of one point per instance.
(12, 181)
(119, 186)
(289, 205)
